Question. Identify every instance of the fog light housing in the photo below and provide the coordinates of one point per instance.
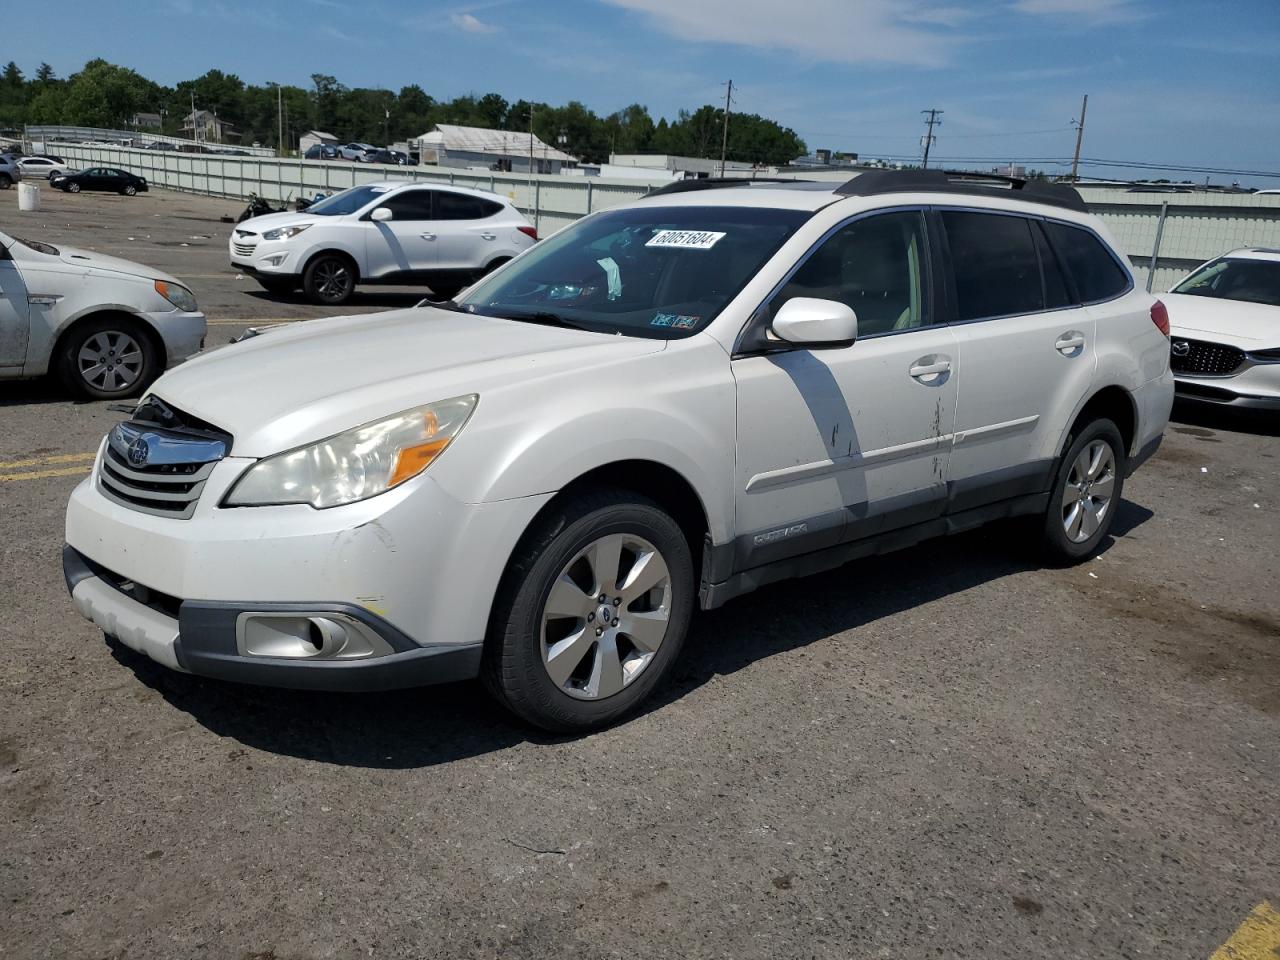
(275, 259)
(302, 636)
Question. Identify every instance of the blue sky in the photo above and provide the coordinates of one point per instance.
(1170, 81)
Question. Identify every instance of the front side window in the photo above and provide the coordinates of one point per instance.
(876, 265)
(647, 271)
(1096, 274)
(1254, 281)
(409, 205)
(994, 263)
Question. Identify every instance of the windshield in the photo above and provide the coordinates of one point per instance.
(1254, 281)
(658, 272)
(348, 201)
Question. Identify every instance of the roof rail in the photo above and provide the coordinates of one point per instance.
(714, 183)
(876, 182)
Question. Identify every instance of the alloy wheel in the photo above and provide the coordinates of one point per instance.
(606, 616)
(1087, 495)
(110, 360)
(332, 278)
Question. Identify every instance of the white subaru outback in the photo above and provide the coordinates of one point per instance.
(665, 404)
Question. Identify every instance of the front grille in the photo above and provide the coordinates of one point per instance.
(243, 249)
(1204, 359)
(159, 470)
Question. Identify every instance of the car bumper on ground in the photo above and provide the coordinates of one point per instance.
(1256, 387)
(341, 599)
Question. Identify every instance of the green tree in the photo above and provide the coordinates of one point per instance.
(44, 74)
(105, 95)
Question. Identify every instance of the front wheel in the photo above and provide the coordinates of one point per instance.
(108, 359)
(73, 187)
(328, 280)
(1086, 493)
(591, 613)
(130, 190)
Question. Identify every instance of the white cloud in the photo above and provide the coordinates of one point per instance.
(468, 23)
(844, 31)
(1091, 11)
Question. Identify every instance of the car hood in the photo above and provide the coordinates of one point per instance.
(74, 260)
(310, 380)
(269, 221)
(1236, 322)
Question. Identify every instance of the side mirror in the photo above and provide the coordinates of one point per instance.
(813, 322)
(382, 215)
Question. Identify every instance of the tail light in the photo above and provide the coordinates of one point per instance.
(531, 232)
(1160, 317)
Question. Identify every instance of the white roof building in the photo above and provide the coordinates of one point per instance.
(448, 140)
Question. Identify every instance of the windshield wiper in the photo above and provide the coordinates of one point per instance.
(546, 318)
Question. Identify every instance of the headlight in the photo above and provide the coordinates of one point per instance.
(360, 463)
(284, 233)
(180, 297)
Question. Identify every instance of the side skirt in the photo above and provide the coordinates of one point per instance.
(715, 594)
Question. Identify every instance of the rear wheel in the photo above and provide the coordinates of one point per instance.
(107, 359)
(329, 280)
(6, 181)
(591, 613)
(1086, 493)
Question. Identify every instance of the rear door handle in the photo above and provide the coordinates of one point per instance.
(1070, 343)
(489, 236)
(427, 236)
(929, 367)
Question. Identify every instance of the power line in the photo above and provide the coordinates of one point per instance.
(933, 121)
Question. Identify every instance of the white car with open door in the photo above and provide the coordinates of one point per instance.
(1225, 325)
(382, 233)
(106, 327)
(666, 404)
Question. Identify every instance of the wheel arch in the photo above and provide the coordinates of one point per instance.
(331, 252)
(1116, 404)
(100, 312)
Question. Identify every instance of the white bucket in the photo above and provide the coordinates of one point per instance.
(28, 196)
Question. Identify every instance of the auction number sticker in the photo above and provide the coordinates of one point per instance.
(685, 239)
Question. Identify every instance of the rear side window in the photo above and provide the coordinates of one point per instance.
(460, 206)
(994, 262)
(1091, 266)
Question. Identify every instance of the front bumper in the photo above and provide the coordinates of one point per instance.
(208, 638)
(183, 333)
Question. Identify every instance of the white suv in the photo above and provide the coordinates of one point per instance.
(395, 232)
(666, 404)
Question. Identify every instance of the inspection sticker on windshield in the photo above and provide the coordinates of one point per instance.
(674, 320)
(685, 239)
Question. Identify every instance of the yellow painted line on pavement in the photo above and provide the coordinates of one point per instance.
(47, 461)
(46, 474)
(1258, 938)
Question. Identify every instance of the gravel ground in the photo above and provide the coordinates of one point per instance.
(949, 751)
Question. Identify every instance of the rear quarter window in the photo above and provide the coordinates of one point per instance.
(1092, 268)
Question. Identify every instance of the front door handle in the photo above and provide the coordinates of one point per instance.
(489, 236)
(931, 366)
(427, 236)
(1071, 343)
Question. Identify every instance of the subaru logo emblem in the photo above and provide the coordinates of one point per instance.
(138, 452)
(1180, 348)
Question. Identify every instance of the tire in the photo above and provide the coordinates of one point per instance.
(73, 187)
(6, 181)
(118, 344)
(1085, 494)
(278, 286)
(329, 280)
(130, 191)
(569, 674)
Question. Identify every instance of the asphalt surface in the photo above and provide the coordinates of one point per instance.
(947, 752)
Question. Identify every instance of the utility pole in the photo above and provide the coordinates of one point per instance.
(724, 140)
(1075, 161)
(932, 120)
